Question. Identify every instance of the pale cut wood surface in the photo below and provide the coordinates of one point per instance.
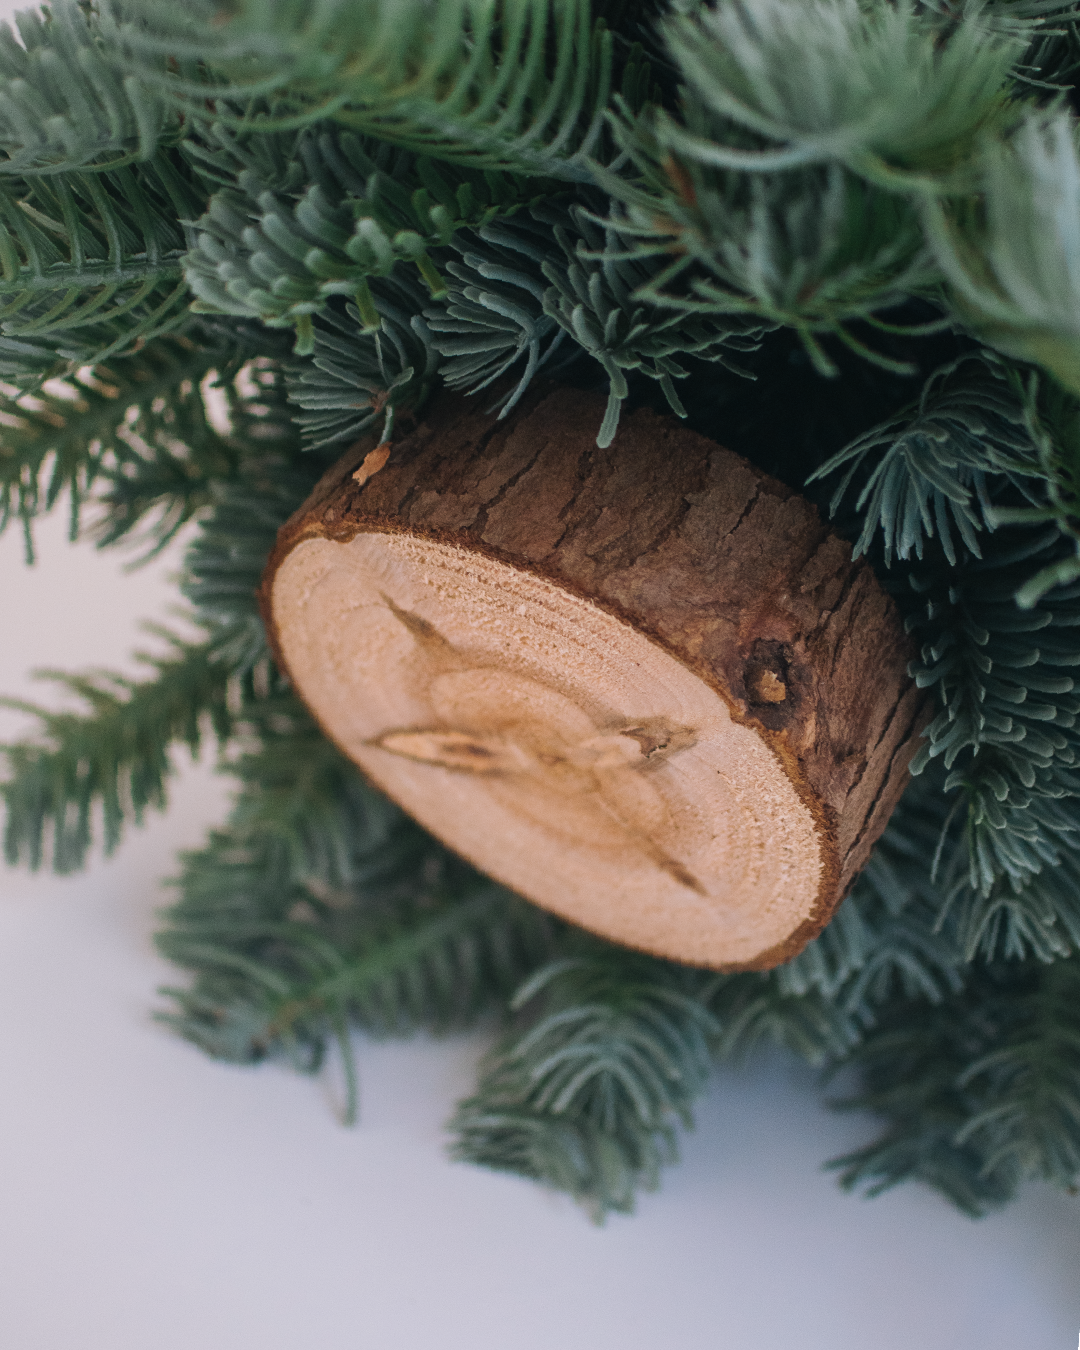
(645, 687)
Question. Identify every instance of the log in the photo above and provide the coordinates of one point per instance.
(645, 687)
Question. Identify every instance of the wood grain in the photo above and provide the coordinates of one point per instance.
(644, 686)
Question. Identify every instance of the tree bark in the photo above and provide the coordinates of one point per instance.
(646, 687)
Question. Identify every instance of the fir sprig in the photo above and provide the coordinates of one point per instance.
(970, 426)
(321, 906)
(62, 105)
(1007, 706)
(264, 252)
(66, 438)
(91, 262)
(360, 376)
(889, 90)
(588, 1098)
(1012, 259)
(813, 249)
(115, 756)
(521, 88)
(979, 1092)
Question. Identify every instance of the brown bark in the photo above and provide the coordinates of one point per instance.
(646, 686)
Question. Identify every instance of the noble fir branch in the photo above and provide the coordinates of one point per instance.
(91, 263)
(814, 248)
(930, 470)
(361, 375)
(1053, 416)
(160, 467)
(984, 434)
(979, 1092)
(788, 187)
(175, 465)
(886, 941)
(1013, 261)
(889, 937)
(133, 441)
(521, 87)
(588, 1098)
(514, 302)
(224, 561)
(115, 756)
(1006, 698)
(595, 298)
(280, 238)
(66, 437)
(1037, 914)
(321, 906)
(892, 92)
(63, 104)
(492, 320)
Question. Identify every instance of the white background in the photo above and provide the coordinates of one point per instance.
(153, 1200)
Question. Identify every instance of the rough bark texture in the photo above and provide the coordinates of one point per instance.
(730, 572)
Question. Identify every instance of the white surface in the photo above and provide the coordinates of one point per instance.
(153, 1200)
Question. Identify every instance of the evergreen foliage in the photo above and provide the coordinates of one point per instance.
(359, 373)
(92, 261)
(588, 1097)
(115, 755)
(980, 1091)
(321, 906)
(523, 89)
(365, 207)
(234, 240)
(62, 106)
(1011, 265)
(67, 437)
(936, 460)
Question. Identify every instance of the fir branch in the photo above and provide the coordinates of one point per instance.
(519, 86)
(67, 437)
(173, 466)
(365, 366)
(1053, 419)
(596, 299)
(980, 1091)
(1013, 261)
(91, 262)
(275, 254)
(160, 467)
(322, 906)
(493, 317)
(813, 249)
(753, 1009)
(1032, 913)
(587, 1099)
(224, 562)
(115, 755)
(62, 105)
(978, 652)
(513, 300)
(1007, 730)
(889, 90)
(969, 426)
(889, 935)
(1030, 1123)
(134, 439)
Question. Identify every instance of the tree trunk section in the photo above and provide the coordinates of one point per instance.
(644, 687)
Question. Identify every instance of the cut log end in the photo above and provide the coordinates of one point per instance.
(634, 737)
